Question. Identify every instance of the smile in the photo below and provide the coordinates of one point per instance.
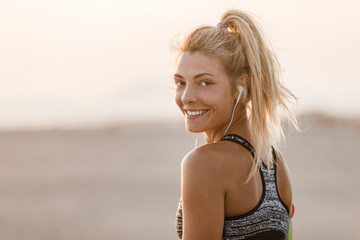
(195, 113)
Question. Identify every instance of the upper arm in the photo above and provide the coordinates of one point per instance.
(203, 195)
(284, 181)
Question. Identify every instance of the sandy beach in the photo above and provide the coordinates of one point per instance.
(123, 181)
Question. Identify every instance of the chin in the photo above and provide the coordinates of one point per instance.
(194, 129)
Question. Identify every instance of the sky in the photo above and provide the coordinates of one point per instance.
(90, 63)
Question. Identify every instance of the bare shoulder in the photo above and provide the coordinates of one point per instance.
(205, 158)
(218, 159)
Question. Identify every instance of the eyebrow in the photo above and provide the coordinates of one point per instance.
(196, 76)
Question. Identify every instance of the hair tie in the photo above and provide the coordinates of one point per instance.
(221, 24)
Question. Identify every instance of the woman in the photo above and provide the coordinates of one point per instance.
(236, 186)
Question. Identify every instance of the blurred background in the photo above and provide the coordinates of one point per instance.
(91, 140)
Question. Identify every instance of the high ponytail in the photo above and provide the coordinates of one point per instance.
(242, 47)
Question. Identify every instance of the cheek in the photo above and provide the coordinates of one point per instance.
(224, 107)
(219, 100)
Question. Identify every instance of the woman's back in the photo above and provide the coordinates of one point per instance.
(242, 197)
(253, 207)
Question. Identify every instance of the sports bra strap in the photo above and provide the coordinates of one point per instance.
(240, 140)
(245, 143)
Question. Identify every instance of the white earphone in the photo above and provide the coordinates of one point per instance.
(240, 88)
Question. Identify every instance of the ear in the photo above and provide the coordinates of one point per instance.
(244, 81)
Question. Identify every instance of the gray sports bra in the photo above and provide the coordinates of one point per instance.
(268, 220)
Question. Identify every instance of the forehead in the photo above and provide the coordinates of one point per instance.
(190, 64)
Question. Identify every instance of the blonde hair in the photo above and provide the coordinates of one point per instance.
(242, 47)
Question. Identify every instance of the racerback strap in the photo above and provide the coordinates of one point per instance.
(240, 140)
(245, 143)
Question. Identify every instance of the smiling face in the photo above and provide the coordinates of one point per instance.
(203, 92)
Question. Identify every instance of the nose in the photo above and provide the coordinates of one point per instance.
(188, 95)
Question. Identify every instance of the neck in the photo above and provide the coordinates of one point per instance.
(239, 126)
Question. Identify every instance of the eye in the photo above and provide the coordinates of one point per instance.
(205, 83)
(179, 83)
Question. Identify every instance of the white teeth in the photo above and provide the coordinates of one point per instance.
(195, 113)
